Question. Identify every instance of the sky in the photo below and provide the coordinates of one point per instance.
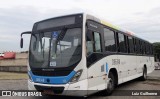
(16, 16)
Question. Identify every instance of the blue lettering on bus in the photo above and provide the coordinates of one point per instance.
(107, 67)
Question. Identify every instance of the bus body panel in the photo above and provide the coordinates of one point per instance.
(125, 72)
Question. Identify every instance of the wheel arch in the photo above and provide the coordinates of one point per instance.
(115, 73)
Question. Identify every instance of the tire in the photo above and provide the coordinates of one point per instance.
(144, 76)
(111, 85)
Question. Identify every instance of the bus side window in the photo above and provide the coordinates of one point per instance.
(89, 42)
(138, 46)
(94, 48)
(109, 37)
(148, 48)
(97, 42)
(122, 44)
(93, 42)
(131, 44)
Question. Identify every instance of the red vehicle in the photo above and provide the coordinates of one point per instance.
(9, 55)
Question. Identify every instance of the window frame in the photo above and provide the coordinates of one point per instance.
(137, 49)
(131, 47)
(114, 36)
(124, 43)
(94, 42)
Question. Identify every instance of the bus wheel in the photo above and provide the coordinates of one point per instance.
(144, 76)
(110, 84)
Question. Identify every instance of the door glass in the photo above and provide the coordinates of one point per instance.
(97, 42)
(89, 47)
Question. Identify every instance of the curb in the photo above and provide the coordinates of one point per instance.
(153, 78)
(19, 69)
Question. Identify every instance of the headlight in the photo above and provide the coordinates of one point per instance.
(76, 76)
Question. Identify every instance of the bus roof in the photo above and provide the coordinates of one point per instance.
(88, 16)
(91, 17)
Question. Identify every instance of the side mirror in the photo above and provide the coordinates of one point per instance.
(21, 43)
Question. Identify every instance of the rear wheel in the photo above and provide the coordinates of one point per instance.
(144, 76)
(110, 85)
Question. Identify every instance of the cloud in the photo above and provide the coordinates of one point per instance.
(13, 22)
(19, 19)
(144, 24)
(7, 38)
(19, 15)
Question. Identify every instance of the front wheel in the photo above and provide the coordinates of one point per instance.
(110, 84)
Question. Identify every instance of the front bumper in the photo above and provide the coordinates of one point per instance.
(70, 89)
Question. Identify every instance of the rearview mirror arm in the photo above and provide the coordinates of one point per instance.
(28, 32)
(21, 42)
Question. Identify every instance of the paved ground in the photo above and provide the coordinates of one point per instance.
(12, 76)
(154, 74)
(132, 85)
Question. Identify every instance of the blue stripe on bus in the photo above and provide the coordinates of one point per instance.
(106, 67)
(52, 80)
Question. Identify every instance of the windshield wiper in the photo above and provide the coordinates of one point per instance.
(60, 37)
(40, 36)
(43, 47)
(62, 34)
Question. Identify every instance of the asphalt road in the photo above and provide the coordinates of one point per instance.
(131, 85)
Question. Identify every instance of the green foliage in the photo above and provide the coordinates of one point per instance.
(156, 46)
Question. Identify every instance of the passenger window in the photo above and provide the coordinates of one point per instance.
(94, 47)
(93, 42)
(89, 47)
(144, 48)
(89, 42)
(131, 44)
(109, 38)
(122, 45)
(137, 46)
(148, 48)
(140, 47)
(97, 42)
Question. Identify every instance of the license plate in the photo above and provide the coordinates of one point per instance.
(49, 92)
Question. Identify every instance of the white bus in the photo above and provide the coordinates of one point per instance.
(80, 54)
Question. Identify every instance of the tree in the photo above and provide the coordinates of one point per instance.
(156, 47)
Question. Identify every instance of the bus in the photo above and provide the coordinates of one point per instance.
(80, 54)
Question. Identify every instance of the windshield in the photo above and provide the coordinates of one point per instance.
(52, 49)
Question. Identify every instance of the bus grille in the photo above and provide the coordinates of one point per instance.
(51, 73)
(56, 90)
